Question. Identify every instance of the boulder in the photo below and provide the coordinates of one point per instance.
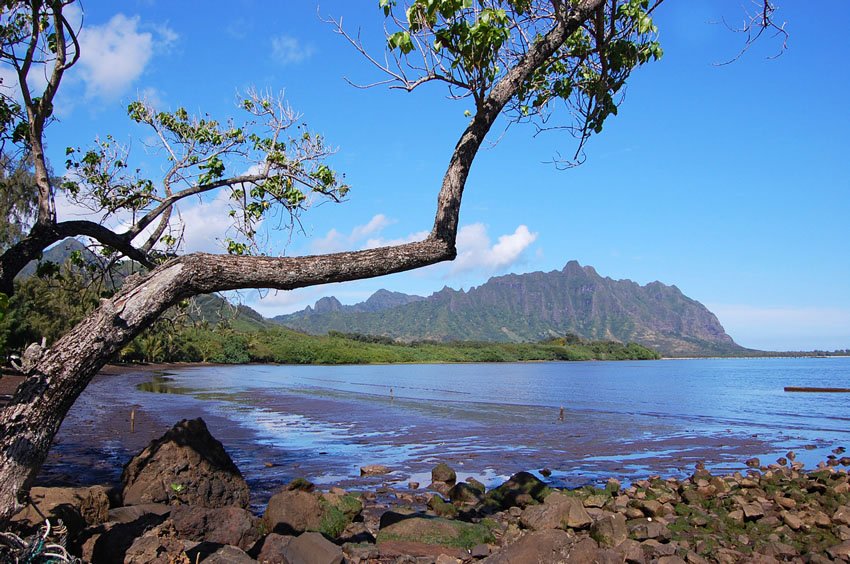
(443, 473)
(643, 529)
(649, 507)
(556, 512)
(108, 543)
(222, 525)
(339, 510)
(312, 548)
(444, 532)
(752, 511)
(160, 545)
(403, 551)
(792, 520)
(841, 550)
(291, 512)
(272, 549)
(186, 465)
(77, 507)
(374, 470)
(631, 551)
(132, 513)
(442, 508)
(670, 559)
(227, 555)
(519, 490)
(397, 514)
(551, 545)
(610, 530)
(842, 515)
(465, 493)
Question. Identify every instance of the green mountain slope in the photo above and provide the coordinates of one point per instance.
(533, 307)
(209, 307)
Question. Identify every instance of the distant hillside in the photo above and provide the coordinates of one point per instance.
(58, 254)
(533, 307)
(207, 307)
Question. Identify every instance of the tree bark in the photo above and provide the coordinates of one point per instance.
(31, 420)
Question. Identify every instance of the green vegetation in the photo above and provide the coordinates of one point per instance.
(208, 329)
(338, 514)
(284, 346)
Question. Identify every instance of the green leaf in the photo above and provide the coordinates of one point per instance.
(4, 305)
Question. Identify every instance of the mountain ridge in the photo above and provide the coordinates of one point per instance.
(532, 307)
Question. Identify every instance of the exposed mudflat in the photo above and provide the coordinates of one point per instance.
(326, 435)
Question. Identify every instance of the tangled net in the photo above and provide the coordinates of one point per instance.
(45, 546)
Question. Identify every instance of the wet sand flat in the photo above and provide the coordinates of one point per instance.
(326, 435)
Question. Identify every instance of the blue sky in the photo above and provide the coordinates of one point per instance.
(730, 182)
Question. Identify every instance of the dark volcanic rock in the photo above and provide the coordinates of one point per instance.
(227, 555)
(465, 493)
(521, 489)
(442, 472)
(610, 530)
(405, 551)
(558, 511)
(272, 548)
(293, 512)
(312, 548)
(77, 507)
(444, 532)
(160, 545)
(187, 465)
(551, 545)
(223, 525)
(108, 543)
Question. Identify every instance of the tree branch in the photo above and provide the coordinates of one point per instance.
(30, 248)
(448, 201)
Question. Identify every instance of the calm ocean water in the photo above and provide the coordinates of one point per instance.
(622, 419)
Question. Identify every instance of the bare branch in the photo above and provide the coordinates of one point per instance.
(754, 26)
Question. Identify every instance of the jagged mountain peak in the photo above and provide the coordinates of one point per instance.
(327, 305)
(535, 306)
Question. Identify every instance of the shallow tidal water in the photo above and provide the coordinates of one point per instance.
(626, 420)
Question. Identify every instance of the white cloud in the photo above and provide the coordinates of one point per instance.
(376, 242)
(277, 302)
(115, 54)
(289, 50)
(9, 81)
(36, 80)
(476, 253)
(375, 225)
(152, 96)
(206, 224)
(281, 302)
(335, 241)
(165, 38)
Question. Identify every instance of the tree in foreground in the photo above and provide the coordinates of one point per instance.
(515, 58)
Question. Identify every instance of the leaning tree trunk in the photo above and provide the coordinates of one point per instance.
(32, 418)
(30, 421)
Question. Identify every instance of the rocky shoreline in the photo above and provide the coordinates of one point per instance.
(183, 500)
